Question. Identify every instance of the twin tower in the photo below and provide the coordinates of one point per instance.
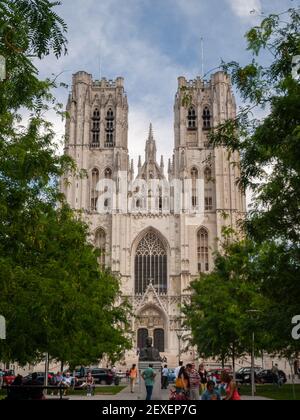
(154, 252)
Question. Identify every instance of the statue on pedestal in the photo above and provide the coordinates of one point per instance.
(149, 353)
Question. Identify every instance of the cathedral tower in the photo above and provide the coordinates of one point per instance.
(96, 136)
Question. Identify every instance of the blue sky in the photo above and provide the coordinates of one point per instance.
(150, 43)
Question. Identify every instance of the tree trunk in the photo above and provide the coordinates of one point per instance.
(233, 363)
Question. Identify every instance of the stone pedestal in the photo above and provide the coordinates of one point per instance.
(157, 384)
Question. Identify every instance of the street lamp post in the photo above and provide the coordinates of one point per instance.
(179, 334)
(253, 366)
(253, 387)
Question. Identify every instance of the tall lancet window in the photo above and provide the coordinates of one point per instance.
(94, 193)
(95, 140)
(192, 118)
(206, 119)
(110, 129)
(151, 265)
(203, 251)
(100, 244)
(209, 190)
(194, 175)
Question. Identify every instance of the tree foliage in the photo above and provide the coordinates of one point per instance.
(260, 273)
(53, 295)
(220, 313)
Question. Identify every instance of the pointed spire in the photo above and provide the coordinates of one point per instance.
(132, 167)
(151, 137)
(162, 163)
(169, 167)
(140, 162)
(150, 147)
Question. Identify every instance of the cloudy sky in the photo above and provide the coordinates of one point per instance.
(150, 43)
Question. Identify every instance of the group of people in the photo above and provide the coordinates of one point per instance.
(148, 376)
(32, 388)
(192, 384)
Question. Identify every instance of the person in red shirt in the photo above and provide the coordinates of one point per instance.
(232, 393)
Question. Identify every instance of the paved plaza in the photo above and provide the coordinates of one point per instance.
(126, 395)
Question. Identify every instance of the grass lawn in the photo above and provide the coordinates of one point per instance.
(104, 390)
(2, 394)
(270, 391)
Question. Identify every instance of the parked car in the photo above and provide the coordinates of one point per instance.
(102, 376)
(9, 377)
(243, 376)
(267, 377)
(40, 378)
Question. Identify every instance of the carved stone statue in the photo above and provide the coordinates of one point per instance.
(149, 353)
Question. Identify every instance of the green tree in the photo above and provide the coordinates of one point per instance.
(53, 295)
(270, 165)
(219, 313)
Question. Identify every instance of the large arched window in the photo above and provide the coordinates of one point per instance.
(206, 119)
(151, 264)
(192, 118)
(95, 139)
(94, 192)
(100, 244)
(110, 129)
(203, 251)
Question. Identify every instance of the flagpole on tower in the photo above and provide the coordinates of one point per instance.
(100, 66)
(202, 57)
(100, 69)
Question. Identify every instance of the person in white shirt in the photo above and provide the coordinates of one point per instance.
(165, 377)
(177, 370)
(67, 381)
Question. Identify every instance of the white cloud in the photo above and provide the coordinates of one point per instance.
(150, 74)
(243, 8)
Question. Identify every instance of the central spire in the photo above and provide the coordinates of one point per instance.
(150, 147)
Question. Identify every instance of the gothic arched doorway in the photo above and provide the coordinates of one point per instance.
(159, 340)
(142, 337)
(151, 322)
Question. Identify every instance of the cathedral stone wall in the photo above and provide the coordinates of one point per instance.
(155, 250)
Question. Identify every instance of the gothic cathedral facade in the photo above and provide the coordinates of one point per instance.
(153, 243)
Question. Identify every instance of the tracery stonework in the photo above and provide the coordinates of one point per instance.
(156, 253)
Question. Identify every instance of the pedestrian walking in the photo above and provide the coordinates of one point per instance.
(1, 378)
(165, 377)
(276, 377)
(203, 378)
(182, 382)
(133, 374)
(177, 370)
(149, 378)
(194, 382)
